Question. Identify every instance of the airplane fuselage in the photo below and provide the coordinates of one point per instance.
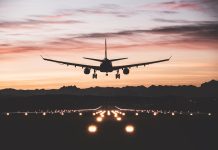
(106, 66)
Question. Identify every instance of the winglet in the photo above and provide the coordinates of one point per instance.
(42, 57)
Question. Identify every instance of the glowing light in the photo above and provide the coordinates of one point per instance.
(102, 115)
(136, 114)
(7, 114)
(191, 114)
(119, 118)
(93, 114)
(26, 114)
(155, 113)
(108, 113)
(123, 114)
(99, 119)
(80, 114)
(44, 114)
(92, 128)
(173, 113)
(209, 114)
(129, 129)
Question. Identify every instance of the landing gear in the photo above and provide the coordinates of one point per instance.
(117, 75)
(94, 76)
(106, 74)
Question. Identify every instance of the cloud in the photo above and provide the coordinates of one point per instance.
(174, 21)
(18, 49)
(103, 9)
(34, 23)
(108, 9)
(200, 30)
(197, 36)
(175, 5)
(210, 7)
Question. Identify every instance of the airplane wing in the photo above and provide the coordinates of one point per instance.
(139, 64)
(72, 64)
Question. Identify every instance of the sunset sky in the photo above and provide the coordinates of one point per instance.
(142, 30)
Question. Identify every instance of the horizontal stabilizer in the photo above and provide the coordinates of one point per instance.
(93, 59)
(118, 59)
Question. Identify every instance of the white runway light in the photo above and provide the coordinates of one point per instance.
(108, 113)
(99, 119)
(119, 118)
(92, 129)
(129, 128)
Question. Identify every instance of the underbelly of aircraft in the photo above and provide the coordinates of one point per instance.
(106, 69)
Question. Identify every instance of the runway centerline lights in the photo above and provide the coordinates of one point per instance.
(99, 119)
(129, 128)
(92, 129)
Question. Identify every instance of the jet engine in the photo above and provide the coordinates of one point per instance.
(125, 71)
(86, 71)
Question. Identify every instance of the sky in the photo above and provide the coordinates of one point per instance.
(142, 30)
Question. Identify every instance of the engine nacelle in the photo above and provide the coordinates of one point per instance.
(125, 71)
(86, 71)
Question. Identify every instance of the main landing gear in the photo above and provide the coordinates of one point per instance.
(117, 75)
(94, 76)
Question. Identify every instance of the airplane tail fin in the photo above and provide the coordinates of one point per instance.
(105, 55)
(118, 59)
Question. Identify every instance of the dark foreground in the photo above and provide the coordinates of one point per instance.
(70, 132)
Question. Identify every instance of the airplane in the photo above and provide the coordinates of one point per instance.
(106, 65)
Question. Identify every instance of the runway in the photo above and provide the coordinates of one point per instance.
(144, 129)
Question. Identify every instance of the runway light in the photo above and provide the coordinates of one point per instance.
(80, 114)
(209, 114)
(92, 129)
(136, 114)
(26, 114)
(7, 114)
(108, 113)
(123, 114)
(119, 118)
(173, 113)
(155, 114)
(93, 114)
(99, 119)
(44, 114)
(191, 114)
(129, 129)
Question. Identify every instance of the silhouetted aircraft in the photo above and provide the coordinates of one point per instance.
(106, 65)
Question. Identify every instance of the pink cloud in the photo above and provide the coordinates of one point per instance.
(33, 23)
(172, 5)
